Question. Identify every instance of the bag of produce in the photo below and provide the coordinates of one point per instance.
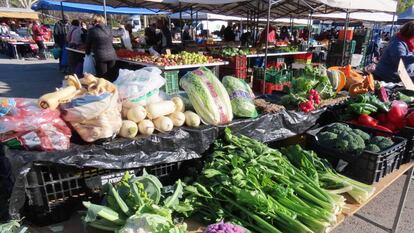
(241, 97)
(94, 117)
(208, 96)
(33, 128)
(139, 86)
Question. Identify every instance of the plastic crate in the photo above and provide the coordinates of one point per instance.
(171, 86)
(367, 167)
(54, 191)
(408, 133)
(238, 73)
(235, 62)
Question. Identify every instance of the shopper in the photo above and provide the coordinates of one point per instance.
(186, 34)
(38, 38)
(271, 37)
(401, 47)
(84, 29)
(165, 36)
(74, 40)
(124, 35)
(151, 36)
(284, 34)
(99, 42)
(4, 29)
(229, 35)
(59, 34)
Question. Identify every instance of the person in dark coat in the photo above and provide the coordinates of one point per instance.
(60, 31)
(99, 42)
(401, 47)
(229, 35)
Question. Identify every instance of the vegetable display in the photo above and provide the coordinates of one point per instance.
(241, 97)
(343, 138)
(248, 183)
(208, 96)
(308, 90)
(137, 204)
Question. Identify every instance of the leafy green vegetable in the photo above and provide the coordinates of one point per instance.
(134, 205)
(256, 186)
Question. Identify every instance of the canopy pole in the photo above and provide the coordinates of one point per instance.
(181, 22)
(267, 43)
(392, 26)
(310, 28)
(196, 24)
(344, 43)
(61, 10)
(104, 8)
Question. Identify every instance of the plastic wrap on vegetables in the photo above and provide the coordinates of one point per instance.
(208, 96)
(241, 97)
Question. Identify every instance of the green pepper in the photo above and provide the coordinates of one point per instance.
(363, 108)
(405, 98)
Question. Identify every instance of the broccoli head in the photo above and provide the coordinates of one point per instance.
(373, 148)
(337, 128)
(382, 142)
(327, 138)
(350, 142)
(362, 134)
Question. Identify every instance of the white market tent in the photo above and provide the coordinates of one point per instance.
(362, 16)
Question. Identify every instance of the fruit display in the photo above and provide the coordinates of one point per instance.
(125, 53)
(183, 58)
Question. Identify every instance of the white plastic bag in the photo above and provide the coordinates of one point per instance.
(89, 65)
(140, 85)
(94, 117)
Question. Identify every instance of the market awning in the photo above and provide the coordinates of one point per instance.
(91, 8)
(407, 15)
(18, 13)
(362, 16)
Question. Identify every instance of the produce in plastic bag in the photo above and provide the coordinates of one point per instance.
(208, 96)
(31, 127)
(241, 97)
(140, 85)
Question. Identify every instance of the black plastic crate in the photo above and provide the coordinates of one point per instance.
(368, 167)
(55, 191)
(408, 133)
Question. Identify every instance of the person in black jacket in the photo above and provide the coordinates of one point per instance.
(99, 42)
(60, 31)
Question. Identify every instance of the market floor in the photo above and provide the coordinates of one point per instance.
(31, 79)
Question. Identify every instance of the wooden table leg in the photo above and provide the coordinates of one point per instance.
(403, 198)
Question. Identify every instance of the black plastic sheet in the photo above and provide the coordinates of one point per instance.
(179, 145)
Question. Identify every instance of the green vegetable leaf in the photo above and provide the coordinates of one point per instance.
(174, 199)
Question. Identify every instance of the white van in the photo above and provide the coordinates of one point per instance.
(135, 21)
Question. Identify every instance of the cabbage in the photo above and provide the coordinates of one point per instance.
(208, 96)
(241, 97)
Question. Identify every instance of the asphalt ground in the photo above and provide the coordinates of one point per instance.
(31, 79)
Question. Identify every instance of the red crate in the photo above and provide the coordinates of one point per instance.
(238, 73)
(236, 62)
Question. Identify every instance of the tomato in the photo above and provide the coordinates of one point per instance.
(366, 120)
(410, 119)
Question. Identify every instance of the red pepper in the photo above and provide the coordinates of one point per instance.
(381, 117)
(396, 113)
(410, 119)
(389, 126)
(382, 128)
(366, 120)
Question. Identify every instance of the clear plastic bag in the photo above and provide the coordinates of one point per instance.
(139, 85)
(31, 127)
(89, 65)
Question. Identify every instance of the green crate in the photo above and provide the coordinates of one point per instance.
(258, 73)
(171, 86)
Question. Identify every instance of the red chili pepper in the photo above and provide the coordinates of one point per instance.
(382, 128)
(389, 126)
(366, 120)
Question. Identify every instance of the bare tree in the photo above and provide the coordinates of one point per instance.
(26, 3)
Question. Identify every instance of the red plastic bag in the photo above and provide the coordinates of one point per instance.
(33, 128)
